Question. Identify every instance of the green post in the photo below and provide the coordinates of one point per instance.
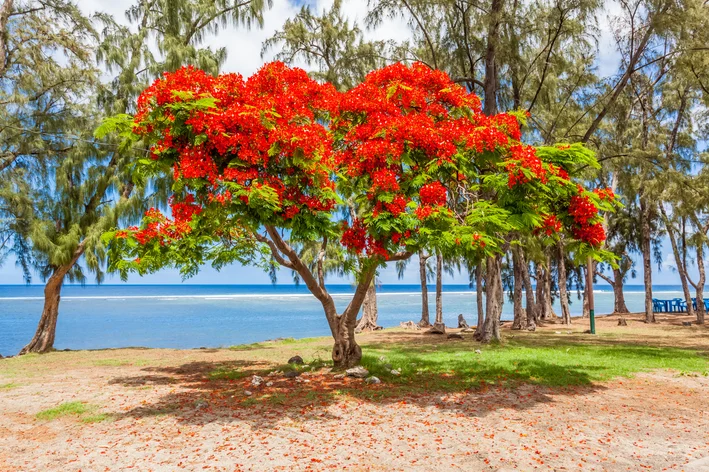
(589, 293)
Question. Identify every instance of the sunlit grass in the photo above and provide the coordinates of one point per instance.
(84, 411)
(65, 409)
(455, 365)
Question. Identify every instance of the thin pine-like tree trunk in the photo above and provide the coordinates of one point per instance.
(520, 320)
(529, 291)
(479, 301)
(563, 297)
(619, 305)
(439, 288)
(548, 308)
(541, 296)
(700, 284)
(679, 261)
(425, 317)
(647, 257)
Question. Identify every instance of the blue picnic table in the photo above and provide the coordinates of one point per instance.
(675, 305)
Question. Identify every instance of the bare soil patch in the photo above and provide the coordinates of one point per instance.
(158, 409)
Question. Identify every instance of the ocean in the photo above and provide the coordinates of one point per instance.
(192, 316)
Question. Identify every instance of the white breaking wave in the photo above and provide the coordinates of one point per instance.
(224, 296)
(267, 296)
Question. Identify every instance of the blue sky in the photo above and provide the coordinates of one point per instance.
(244, 57)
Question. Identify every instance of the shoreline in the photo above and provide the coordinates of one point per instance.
(505, 326)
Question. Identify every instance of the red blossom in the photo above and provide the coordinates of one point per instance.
(433, 194)
(271, 137)
(605, 193)
(593, 234)
(582, 209)
(550, 225)
(524, 157)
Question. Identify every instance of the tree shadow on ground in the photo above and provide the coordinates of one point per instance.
(203, 397)
(459, 377)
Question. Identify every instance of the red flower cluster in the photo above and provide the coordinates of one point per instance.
(477, 241)
(582, 209)
(423, 115)
(605, 194)
(263, 150)
(357, 240)
(384, 180)
(265, 132)
(424, 212)
(184, 211)
(524, 157)
(584, 212)
(592, 234)
(558, 171)
(433, 194)
(354, 238)
(550, 225)
(158, 227)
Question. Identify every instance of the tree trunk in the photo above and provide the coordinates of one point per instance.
(490, 79)
(493, 287)
(346, 352)
(647, 256)
(563, 297)
(43, 340)
(370, 313)
(619, 305)
(520, 320)
(700, 284)
(439, 288)
(549, 308)
(479, 300)
(586, 311)
(531, 305)
(681, 268)
(425, 319)
(541, 285)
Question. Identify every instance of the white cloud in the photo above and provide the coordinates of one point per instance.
(244, 46)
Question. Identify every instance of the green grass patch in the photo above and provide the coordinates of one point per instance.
(247, 347)
(277, 398)
(453, 366)
(65, 409)
(84, 411)
(9, 386)
(299, 341)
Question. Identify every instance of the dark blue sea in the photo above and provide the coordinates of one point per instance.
(191, 316)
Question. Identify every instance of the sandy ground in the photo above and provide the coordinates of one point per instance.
(165, 414)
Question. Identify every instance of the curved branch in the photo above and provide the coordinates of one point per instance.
(274, 251)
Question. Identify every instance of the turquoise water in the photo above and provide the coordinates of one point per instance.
(191, 316)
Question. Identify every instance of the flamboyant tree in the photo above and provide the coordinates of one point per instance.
(263, 165)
